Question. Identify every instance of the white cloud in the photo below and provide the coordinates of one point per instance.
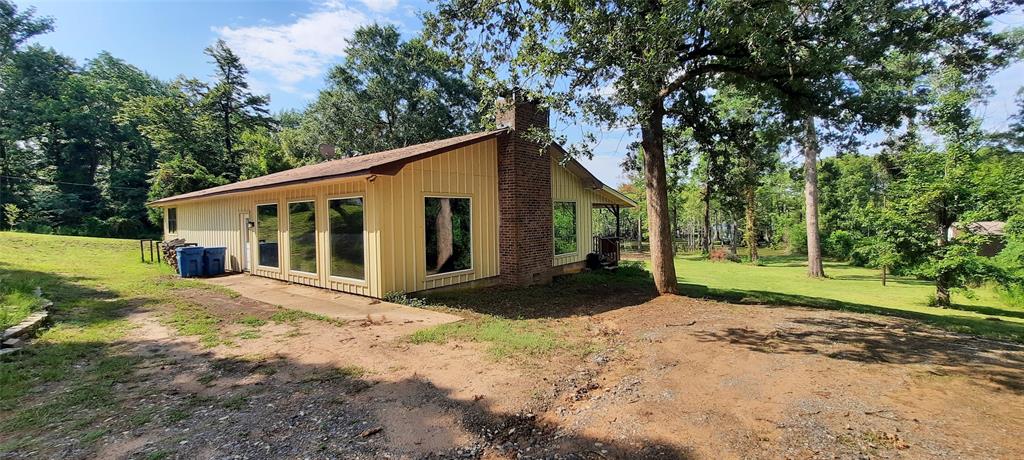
(380, 6)
(299, 50)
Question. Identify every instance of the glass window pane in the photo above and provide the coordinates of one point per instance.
(302, 236)
(266, 234)
(447, 224)
(346, 216)
(172, 220)
(565, 227)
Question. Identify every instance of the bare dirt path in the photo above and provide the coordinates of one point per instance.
(669, 378)
(727, 381)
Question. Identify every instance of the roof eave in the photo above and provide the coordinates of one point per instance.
(175, 200)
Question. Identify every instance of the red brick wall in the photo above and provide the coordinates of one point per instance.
(524, 197)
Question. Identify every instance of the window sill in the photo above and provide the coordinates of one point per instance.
(437, 276)
(303, 274)
(349, 281)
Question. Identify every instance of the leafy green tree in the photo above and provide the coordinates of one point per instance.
(183, 132)
(232, 104)
(16, 29)
(643, 63)
(849, 184)
(390, 93)
(933, 188)
(180, 174)
(262, 153)
(753, 133)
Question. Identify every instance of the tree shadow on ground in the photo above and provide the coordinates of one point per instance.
(988, 327)
(587, 293)
(986, 310)
(878, 279)
(88, 395)
(170, 398)
(870, 341)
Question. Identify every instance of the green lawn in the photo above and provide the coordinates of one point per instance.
(93, 283)
(18, 299)
(782, 280)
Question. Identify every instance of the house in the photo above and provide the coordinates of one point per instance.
(483, 208)
(993, 231)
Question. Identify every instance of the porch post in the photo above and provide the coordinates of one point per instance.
(618, 223)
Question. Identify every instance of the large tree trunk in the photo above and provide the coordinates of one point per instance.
(942, 282)
(445, 237)
(4, 182)
(705, 241)
(811, 149)
(228, 148)
(751, 217)
(653, 140)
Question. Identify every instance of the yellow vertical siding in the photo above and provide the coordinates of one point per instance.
(393, 225)
(566, 186)
(471, 172)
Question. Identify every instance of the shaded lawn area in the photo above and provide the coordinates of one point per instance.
(527, 322)
(782, 280)
(94, 284)
(18, 299)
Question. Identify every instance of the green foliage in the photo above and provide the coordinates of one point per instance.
(402, 298)
(840, 244)
(180, 174)
(390, 93)
(1011, 260)
(12, 214)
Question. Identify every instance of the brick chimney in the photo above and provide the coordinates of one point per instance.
(525, 230)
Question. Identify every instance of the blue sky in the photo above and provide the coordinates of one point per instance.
(289, 46)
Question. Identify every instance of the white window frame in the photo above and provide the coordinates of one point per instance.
(576, 225)
(472, 253)
(256, 262)
(366, 247)
(316, 240)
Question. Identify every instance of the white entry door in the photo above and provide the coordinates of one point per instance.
(246, 249)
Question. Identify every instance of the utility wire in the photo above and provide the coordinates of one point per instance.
(56, 182)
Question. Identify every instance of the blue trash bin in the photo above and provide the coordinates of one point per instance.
(213, 261)
(190, 261)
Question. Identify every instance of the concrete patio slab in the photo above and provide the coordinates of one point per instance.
(332, 304)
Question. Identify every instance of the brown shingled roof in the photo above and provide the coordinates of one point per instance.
(388, 163)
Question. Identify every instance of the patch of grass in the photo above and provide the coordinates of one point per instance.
(93, 436)
(93, 392)
(190, 320)
(248, 334)
(141, 417)
(336, 373)
(18, 299)
(176, 415)
(251, 321)
(16, 444)
(505, 337)
(288, 316)
(206, 379)
(158, 455)
(236, 402)
(94, 284)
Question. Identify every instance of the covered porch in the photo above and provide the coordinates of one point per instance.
(607, 219)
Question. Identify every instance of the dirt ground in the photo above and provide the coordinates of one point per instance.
(671, 377)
